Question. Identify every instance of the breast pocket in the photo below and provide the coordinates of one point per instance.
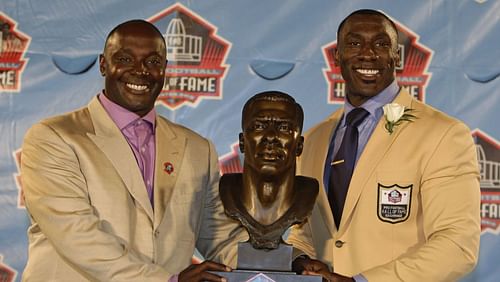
(396, 191)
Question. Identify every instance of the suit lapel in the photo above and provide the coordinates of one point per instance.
(377, 146)
(110, 140)
(170, 149)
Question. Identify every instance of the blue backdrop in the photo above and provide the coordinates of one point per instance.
(221, 52)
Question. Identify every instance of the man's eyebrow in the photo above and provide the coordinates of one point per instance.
(129, 51)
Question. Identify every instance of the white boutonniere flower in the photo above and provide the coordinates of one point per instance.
(394, 114)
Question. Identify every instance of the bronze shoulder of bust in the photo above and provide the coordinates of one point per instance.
(268, 236)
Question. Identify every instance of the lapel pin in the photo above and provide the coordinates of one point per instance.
(168, 167)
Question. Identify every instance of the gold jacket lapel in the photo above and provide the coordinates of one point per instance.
(109, 139)
(378, 144)
(170, 148)
(320, 152)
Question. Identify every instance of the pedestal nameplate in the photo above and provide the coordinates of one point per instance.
(258, 265)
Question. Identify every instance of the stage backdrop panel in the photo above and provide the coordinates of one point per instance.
(221, 52)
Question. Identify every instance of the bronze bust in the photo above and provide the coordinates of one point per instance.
(267, 198)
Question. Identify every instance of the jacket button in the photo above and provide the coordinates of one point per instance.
(339, 244)
(157, 233)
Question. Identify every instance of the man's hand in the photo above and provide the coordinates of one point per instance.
(199, 272)
(307, 266)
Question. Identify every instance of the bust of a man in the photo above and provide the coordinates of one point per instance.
(267, 198)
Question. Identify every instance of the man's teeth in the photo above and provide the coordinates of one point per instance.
(137, 86)
(367, 71)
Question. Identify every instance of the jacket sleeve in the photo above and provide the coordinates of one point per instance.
(450, 198)
(56, 197)
(301, 240)
(218, 234)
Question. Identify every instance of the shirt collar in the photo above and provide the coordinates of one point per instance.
(123, 117)
(374, 104)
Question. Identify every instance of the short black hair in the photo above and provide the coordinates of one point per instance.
(367, 12)
(134, 21)
(274, 96)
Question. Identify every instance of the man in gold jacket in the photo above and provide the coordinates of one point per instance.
(411, 212)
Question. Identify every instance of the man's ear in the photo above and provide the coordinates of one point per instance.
(336, 55)
(300, 145)
(102, 65)
(397, 61)
(242, 144)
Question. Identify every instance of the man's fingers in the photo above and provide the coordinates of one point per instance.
(199, 272)
(213, 266)
(308, 272)
(207, 276)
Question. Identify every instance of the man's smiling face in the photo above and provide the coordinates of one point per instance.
(133, 64)
(367, 54)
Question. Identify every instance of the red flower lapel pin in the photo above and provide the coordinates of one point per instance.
(168, 167)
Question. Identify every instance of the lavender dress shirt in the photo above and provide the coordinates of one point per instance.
(140, 135)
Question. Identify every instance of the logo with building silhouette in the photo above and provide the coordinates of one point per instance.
(13, 46)
(196, 57)
(412, 74)
(488, 155)
(7, 273)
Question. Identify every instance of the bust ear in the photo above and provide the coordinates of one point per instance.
(241, 143)
(300, 145)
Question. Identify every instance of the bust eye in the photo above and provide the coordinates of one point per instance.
(258, 126)
(284, 127)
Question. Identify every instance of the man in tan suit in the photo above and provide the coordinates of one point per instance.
(118, 193)
(411, 212)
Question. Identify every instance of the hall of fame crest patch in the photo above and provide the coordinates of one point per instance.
(13, 46)
(394, 202)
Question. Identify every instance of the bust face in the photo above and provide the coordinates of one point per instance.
(271, 137)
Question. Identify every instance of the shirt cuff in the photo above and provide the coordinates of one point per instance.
(357, 278)
(174, 278)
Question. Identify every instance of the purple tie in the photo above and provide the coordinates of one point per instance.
(143, 132)
(343, 163)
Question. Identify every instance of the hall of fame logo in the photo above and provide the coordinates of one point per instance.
(13, 46)
(7, 273)
(232, 161)
(412, 74)
(196, 57)
(488, 154)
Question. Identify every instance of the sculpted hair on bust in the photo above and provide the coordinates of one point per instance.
(274, 96)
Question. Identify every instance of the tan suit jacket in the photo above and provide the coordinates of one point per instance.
(430, 233)
(91, 216)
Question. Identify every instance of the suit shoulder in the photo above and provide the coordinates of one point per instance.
(439, 119)
(321, 126)
(68, 122)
